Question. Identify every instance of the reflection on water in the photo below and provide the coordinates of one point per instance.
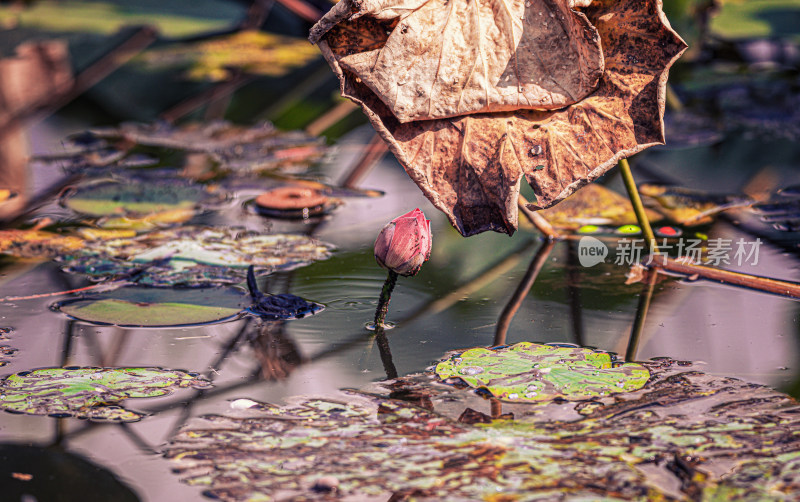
(471, 291)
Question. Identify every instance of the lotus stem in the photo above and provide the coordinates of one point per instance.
(638, 207)
(538, 221)
(383, 301)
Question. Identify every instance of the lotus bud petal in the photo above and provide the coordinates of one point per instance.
(404, 244)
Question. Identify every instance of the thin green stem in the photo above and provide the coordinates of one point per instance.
(638, 207)
(383, 301)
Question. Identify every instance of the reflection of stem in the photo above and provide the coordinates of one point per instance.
(641, 315)
(522, 290)
(69, 334)
(386, 353)
(497, 408)
(484, 278)
(638, 207)
(383, 301)
(574, 292)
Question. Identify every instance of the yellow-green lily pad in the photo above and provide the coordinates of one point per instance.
(530, 372)
(131, 197)
(143, 307)
(91, 393)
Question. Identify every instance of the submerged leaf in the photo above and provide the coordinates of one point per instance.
(533, 372)
(691, 207)
(194, 256)
(37, 243)
(139, 307)
(471, 166)
(93, 393)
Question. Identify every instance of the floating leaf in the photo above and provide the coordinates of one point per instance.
(593, 205)
(471, 166)
(691, 207)
(682, 434)
(135, 198)
(138, 307)
(37, 243)
(194, 256)
(252, 52)
(93, 393)
(229, 147)
(532, 372)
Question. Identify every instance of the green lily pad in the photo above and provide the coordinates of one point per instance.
(194, 256)
(533, 373)
(91, 393)
(130, 197)
(143, 307)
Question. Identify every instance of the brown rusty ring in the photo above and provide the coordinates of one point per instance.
(291, 198)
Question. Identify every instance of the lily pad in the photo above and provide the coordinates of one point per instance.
(230, 148)
(690, 207)
(683, 434)
(532, 372)
(142, 307)
(253, 52)
(194, 256)
(593, 205)
(37, 243)
(93, 393)
(130, 197)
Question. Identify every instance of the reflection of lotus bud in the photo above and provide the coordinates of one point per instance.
(405, 243)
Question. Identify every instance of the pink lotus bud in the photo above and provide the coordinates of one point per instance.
(405, 243)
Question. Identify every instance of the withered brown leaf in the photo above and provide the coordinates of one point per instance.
(445, 58)
(471, 166)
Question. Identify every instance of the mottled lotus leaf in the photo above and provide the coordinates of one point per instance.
(252, 52)
(593, 205)
(471, 166)
(224, 146)
(533, 372)
(194, 256)
(371, 449)
(683, 434)
(37, 243)
(688, 206)
(157, 307)
(135, 198)
(93, 393)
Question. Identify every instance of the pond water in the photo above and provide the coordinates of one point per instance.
(455, 302)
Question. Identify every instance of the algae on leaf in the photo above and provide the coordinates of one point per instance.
(93, 393)
(194, 256)
(533, 372)
(37, 244)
